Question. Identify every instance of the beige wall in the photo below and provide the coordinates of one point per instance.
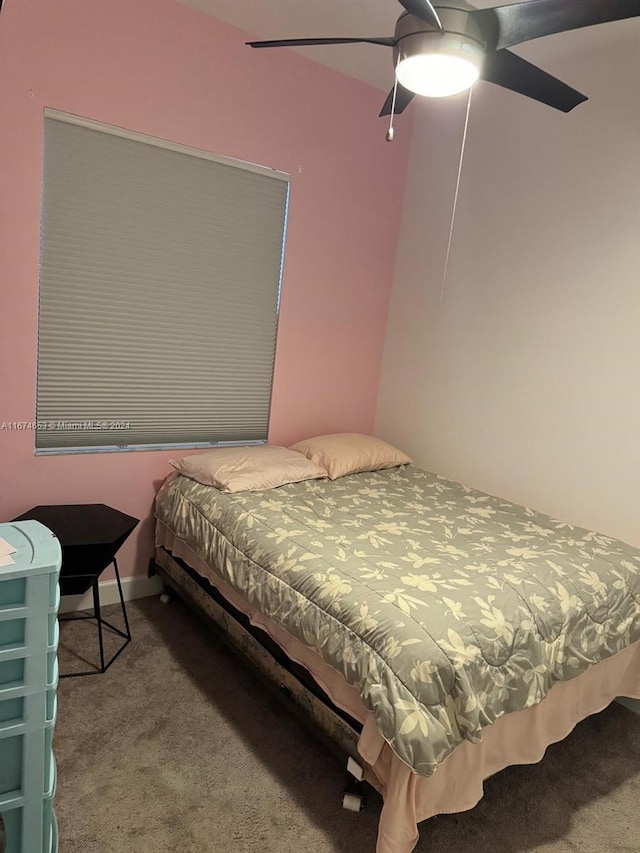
(525, 382)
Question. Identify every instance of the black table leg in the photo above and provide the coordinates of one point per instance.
(124, 609)
(102, 623)
(97, 615)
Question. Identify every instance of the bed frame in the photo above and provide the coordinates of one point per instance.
(292, 683)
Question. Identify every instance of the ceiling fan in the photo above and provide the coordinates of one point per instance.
(443, 47)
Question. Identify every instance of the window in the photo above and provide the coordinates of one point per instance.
(159, 292)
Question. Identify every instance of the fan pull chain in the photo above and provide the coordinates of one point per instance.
(455, 200)
(391, 132)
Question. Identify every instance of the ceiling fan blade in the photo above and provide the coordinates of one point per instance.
(385, 42)
(424, 10)
(512, 72)
(403, 99)
(504, 26)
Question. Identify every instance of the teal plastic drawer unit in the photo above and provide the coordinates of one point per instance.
(32, 708)
(26, 749)
(29, 601)
(31, 827)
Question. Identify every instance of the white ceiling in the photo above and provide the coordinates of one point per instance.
(269, 19)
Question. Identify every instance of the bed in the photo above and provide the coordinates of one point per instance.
(449, 633)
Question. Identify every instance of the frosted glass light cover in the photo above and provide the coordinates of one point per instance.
(437, 75)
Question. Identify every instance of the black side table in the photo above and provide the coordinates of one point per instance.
(90, 536)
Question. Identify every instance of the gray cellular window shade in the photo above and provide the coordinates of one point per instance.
(159, 289)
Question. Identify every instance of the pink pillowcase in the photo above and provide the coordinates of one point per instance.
(350, 453)
(248, 468)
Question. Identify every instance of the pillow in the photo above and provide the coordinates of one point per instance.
(249, 468)
(349, 453)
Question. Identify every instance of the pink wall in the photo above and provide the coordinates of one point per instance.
(159, 68)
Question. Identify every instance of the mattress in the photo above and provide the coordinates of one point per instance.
(213, 533)
(444, 607)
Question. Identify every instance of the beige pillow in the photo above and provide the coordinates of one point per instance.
(248, 468)
(350, 452)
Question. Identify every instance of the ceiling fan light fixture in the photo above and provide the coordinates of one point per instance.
(437, 66)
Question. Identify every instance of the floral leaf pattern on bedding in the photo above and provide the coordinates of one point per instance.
(445, 607)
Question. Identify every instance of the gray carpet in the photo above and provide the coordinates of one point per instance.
(179, 748)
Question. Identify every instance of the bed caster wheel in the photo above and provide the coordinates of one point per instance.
(352, 802)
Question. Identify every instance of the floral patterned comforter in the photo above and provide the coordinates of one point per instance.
(444, 606)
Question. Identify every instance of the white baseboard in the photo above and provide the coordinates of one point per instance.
(631, 704)
(138, 586)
